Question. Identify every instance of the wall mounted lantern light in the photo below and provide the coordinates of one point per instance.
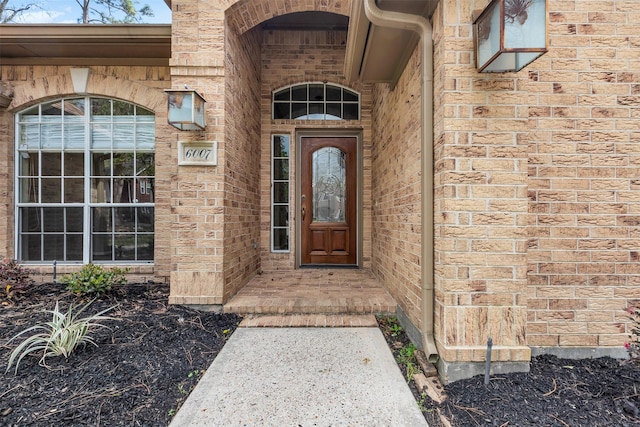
(5, 100)
(186, 109)
(510, 34)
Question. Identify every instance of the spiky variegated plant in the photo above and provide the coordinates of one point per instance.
(59, 337)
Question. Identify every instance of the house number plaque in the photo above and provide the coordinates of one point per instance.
(198, 153)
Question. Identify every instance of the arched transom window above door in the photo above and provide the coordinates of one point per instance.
(316, 101)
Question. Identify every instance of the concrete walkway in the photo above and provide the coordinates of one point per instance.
(302, 377)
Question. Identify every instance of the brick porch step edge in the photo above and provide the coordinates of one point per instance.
(309, 321)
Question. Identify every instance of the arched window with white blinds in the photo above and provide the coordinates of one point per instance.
(85, 179)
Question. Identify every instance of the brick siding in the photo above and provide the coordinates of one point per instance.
(536, 204)
(140, 85)
(292, 57)
(396, 188)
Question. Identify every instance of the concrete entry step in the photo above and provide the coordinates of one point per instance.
(313, 291)
(308, 321)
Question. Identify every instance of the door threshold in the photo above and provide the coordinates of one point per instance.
(329, 266)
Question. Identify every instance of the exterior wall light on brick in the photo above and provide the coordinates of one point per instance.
(5, 100)
(510, 34)
(186, 109)
(6, 95)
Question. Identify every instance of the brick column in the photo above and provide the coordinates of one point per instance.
(480, 204)
(197, 193)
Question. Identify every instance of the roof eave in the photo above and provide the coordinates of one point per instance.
(373, 54)
(79, 44)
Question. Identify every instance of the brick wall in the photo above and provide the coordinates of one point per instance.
(480, 198)
(197, 193)
(246, 14)
(396, 188)
(242, 159)
(536, 195)
(291, 57)
(584, 154)
(138, 84)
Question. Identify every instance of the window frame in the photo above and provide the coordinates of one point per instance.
(290, 102)
(273, 203)
(142, 142)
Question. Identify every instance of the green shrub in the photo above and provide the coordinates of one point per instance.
(94, 279)
(14, 279)
(61, 336)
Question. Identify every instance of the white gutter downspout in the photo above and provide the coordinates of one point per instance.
(423, 27)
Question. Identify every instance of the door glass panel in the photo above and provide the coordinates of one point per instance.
(329, 185)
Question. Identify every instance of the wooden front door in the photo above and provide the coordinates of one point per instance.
(328, 201)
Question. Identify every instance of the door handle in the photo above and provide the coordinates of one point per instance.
(304, 211)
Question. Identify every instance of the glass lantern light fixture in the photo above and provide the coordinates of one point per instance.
(186, 109)
(510, 34)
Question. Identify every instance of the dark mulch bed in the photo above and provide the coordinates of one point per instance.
(144, 367)
(556, 392)
(153, 355)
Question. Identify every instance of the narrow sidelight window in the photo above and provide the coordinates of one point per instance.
(280, 145)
